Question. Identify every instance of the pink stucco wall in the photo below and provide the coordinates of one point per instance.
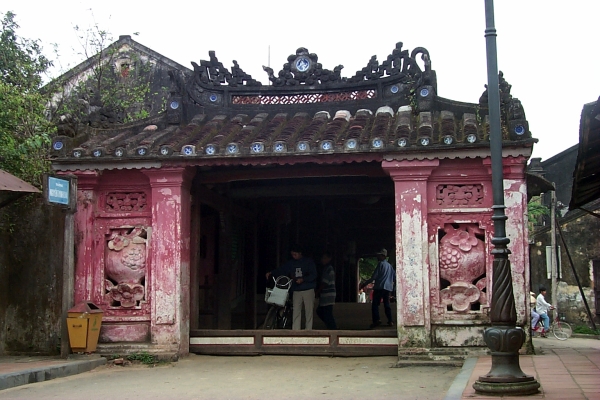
(154, 221)
(427, 315)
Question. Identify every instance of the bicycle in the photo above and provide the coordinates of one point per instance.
(560, 329)
(279, 315)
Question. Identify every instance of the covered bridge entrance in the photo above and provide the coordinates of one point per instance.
(181, 216)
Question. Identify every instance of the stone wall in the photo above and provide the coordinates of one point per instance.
(580, 231)
(31, 246)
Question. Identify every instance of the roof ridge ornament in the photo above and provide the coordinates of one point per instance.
(213, 72)
(304, 68)
(511, 110)
(400, 64)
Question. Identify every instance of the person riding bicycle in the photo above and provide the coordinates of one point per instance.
(535, 317)
(303, 271)
(542, 307)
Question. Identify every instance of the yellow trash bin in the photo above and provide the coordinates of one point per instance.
(83, 322)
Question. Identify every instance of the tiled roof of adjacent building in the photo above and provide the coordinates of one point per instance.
(216, 116)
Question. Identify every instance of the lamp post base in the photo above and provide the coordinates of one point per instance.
(505, 377)
(507, 389)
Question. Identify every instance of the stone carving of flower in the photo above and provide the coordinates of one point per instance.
(464, 240)
(118, 243)
(127, 294)
(461, 295)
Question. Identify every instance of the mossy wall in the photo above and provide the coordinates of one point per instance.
(31, 247)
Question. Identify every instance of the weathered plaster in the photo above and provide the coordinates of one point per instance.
(458, 336)
(421, 212)
(412, 258)
(171, 256)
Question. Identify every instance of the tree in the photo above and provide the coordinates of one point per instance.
(535, 210)
(24, 129)
(112, 86)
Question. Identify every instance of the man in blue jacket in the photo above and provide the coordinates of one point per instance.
(303, 272)
(384, 277)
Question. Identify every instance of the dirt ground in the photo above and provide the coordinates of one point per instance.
(263, 377)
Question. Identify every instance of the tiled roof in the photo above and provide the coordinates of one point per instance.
(215, 115)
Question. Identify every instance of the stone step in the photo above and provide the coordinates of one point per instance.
(162, 353)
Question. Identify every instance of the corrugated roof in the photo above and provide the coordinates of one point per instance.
(586, 177)
(10, 183)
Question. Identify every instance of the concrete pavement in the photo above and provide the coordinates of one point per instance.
(565, 369)
(21, 370)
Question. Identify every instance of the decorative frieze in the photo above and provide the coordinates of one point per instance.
(125, 202)
(307, 98)
(459, 195)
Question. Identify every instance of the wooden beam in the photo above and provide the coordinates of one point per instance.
(221, 203)
(314, 190)
(293, 171)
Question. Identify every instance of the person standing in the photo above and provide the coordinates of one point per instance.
(383, 277)
(535, 317)
(362, 297)
(542, 307)
(303, 272)
(327, 292)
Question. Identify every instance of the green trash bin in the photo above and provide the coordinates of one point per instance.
(83, 323)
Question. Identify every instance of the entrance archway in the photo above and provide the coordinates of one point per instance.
(245, 219)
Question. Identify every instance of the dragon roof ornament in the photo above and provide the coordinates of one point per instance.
(303, 68)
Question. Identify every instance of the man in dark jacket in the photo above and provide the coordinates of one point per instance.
(384, 277)
(303, 272)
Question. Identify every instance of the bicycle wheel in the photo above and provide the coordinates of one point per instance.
(286, 319)
(270, 319)
(561, 330)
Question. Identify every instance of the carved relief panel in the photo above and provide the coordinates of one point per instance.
(462, 267)
(460, 264)
(125, 267)
(123, 237)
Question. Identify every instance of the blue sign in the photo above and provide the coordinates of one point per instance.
(58, 190)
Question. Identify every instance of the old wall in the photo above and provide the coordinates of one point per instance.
(581, 235)
(31, 245)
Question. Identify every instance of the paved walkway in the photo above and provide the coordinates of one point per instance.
(565, 369)
(17, 371)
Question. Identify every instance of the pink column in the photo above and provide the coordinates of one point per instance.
(170, 254)
(412, 254)
(87, 182)
(515, 200)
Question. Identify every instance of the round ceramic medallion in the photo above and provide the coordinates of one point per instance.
(302, 64)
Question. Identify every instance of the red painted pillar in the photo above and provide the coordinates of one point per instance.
(412, 252)
(170, 254)
(515, 201)
(87, 182)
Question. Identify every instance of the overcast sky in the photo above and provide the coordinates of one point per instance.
(546, 49)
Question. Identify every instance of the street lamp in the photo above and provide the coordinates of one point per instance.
(503, 338)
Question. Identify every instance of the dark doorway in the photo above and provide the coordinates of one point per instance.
(249, 217)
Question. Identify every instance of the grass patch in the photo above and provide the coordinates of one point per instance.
(586, 330)
(144, 358)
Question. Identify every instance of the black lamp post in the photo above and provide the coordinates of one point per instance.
(503, 338)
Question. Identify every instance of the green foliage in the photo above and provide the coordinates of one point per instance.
(586, 330)
(535, 210)
(118, 84)
(367, 267)
(24, 129)
(143, 357)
